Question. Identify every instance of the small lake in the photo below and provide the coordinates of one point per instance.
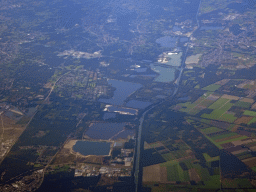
(167, 70)
(175, 60)
(138, 104)
(123, 90)
(166, 74)
(140, 70)
(167, 41)
(92, 148)
(108, 115)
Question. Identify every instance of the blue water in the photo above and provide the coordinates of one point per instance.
(167, 41)
(104, 131)
(166, 74)
(92, 148)
(123, 90)
(140, 70)
(108, 115)
(138, 104)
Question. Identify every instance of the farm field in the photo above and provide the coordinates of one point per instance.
(211, 130)
(221, 122)
(212, 87)
(250, 113)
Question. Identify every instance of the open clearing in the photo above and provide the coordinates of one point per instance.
(243, 119)
(155, 173)
(211, 130)
(251, 162)
(194, 175)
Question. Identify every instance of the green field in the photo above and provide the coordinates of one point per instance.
(168, 156)
(223, 136)
(220, 113)
(174, 155)
(228, 118)
(254, 169)
(243, 104)
(211, 130)
(212, 87)
(208, 158)
(219, 103)
(175, 172)
(250, 113)
(235, 139)
(253, 120)
(220, 107)
(207, 102)
(213, 182)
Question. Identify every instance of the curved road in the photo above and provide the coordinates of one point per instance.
(138, 169)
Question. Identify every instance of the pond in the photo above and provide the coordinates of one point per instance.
(92, 148)
(167, 41)
(123, 90)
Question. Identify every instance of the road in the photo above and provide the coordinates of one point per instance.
(138, 169)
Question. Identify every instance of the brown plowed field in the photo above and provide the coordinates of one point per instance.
(253, 106)
(247, 100)
(251, 162)
(155, 173)
(193, 175)
(231, 97)
(243, 119)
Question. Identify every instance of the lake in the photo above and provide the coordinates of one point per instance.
(167, 70)
(138, 104)
(166, 74)
(123, 90)
(175, 59)
(167, 41)
(92, 148)
(108, 115)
